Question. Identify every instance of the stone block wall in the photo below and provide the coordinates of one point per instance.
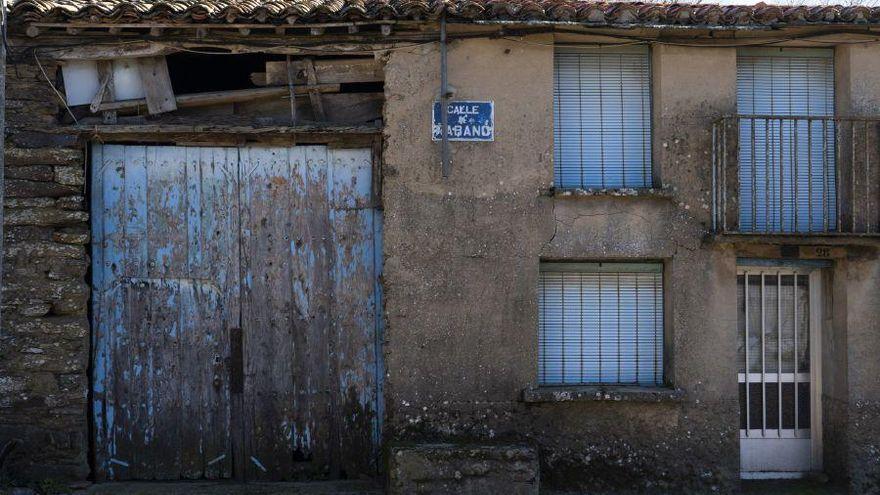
(44, 339)
(463, 469)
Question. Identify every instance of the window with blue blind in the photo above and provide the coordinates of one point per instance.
(602, 117)
(600, 323)
(787, 173)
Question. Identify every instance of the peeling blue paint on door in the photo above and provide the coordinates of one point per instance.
(189, 243)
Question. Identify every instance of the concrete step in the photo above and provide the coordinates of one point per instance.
(464, 469)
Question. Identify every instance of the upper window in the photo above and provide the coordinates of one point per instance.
(602, 117)
(787, 172)
(600, 323)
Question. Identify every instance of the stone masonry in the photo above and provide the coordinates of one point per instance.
(44, 342)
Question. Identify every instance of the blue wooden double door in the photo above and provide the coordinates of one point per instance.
(236, 312)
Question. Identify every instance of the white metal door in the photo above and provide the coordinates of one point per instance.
(778, 320)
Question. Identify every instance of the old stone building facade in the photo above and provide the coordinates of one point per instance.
(204, 280)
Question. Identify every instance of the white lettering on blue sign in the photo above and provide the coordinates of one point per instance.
(465, 121)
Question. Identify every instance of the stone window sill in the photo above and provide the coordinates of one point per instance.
(602, 393)
(627, 192)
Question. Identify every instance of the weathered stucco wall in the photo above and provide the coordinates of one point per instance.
(858, 71)
(44, 342)
(863, 344)
(462, 259)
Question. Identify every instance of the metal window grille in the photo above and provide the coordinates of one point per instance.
(602, 117)
(600, 323)
(787, 170)
(774, 353)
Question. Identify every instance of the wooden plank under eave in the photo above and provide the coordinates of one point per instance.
(336, 71)
(157, 85)
(339, 108)
(112, 52)
(221, 97)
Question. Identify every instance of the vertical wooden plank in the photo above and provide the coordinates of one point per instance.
(353, 307)
(2, 158)
(155, 324)
(100, 337)
(96, 184)
(133, 215)
(166, 232)
(199, 299)
(112, 329)
(105, 89)
(132, 370)
(167, 253)
(310, 275)
(204, 409)
(306, 389)
(97, 260)
(314, 96)
(379, 325)
(220, 212)
(267, 311)
(208, 310)
(157, 84)
(129, 216)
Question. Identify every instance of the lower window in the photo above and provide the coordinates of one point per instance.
(600, 323)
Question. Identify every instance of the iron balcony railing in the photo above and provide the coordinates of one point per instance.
(796, 175)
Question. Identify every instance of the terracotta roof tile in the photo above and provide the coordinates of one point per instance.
(588, 12)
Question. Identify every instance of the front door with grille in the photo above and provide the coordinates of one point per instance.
(778, 324)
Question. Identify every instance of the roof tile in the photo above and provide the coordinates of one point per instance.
(590, 12)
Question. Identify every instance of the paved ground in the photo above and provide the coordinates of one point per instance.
(231, 488)
(371, 488)
(786, 487)
(791, 487)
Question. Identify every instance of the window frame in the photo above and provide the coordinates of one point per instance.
(663, 267)
(652, 176)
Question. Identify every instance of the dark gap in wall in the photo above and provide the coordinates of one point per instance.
(91, 447)
(363, 87)
(200, 73)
